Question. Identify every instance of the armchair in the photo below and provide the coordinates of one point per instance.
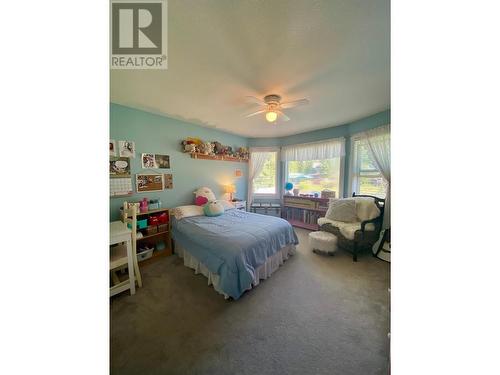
(359, 235)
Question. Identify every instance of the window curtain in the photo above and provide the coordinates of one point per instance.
(314, 151)
(257, 160)
(378, 143)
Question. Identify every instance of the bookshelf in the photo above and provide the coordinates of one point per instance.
(304, 212)
(150, 237)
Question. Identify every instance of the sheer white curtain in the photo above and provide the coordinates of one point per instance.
(378, 142)
(258, 157)
(314, 151)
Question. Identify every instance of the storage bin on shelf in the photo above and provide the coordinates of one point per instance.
(143, 255)
(153, 220)
(162, 218)
(142, 224)
(162, 227)
(151, 230)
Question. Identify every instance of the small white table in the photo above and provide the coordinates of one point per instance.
(118, 233)
(240, 205)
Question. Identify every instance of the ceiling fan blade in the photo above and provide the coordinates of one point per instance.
(255, 113)
(283, 116)
(253, 99)
(294, 103)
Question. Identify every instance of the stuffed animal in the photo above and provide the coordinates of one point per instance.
(213, 209)
(196, 141)
(243, 152)
(219, 148)
(188, 146)
(203, 195)
(206, 148)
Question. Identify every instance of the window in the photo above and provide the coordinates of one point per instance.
(365, 177)
(266, 183)
(313, 176)
(314, 167)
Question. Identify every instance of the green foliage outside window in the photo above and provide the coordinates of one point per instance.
(313, 176)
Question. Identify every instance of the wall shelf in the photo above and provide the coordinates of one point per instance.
(197, 155)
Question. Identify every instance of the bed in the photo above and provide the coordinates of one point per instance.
(235, 250)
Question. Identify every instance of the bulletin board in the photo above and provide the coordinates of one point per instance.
(149, 182)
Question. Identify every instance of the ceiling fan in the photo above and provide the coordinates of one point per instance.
(273, 108)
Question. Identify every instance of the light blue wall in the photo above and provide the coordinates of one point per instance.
(346, 130)
(162, 135)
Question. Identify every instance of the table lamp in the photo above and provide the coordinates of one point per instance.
(230, 189)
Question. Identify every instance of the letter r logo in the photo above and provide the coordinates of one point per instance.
(136, 28)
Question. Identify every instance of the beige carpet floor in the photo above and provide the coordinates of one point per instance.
(315, 315)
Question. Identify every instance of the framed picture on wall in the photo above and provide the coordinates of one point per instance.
(148, 160)
(169, 183)
(119, 167)
(112, 147)
(162, 161)
(149, 182)
(126, 149)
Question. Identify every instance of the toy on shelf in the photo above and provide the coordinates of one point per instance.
(188, 146)
(288, 188)
(243, 153)
(215, 150)
(143, 207)
(154, 204)
(206, 148)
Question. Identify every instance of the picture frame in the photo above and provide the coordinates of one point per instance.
(126, 149)
(148, 161)
(162, 161)
(169, 183)
(155, 161)
(112, 147)
(119, 167)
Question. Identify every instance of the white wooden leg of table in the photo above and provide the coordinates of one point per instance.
(137, 270)
(131, 277)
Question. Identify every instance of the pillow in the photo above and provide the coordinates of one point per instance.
(187, 211)
(366, 209)
(213, 209)
(342, 210)
(227, 205)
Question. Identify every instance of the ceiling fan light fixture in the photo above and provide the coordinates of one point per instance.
(271, 116)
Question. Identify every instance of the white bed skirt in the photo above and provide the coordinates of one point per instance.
(261, 273)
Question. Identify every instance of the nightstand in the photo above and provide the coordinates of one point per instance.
(240, 205)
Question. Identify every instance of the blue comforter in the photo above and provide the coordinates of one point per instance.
(234, 244)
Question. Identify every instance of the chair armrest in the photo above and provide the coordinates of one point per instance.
(363, 223)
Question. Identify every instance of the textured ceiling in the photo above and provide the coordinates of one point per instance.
(334, 53)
